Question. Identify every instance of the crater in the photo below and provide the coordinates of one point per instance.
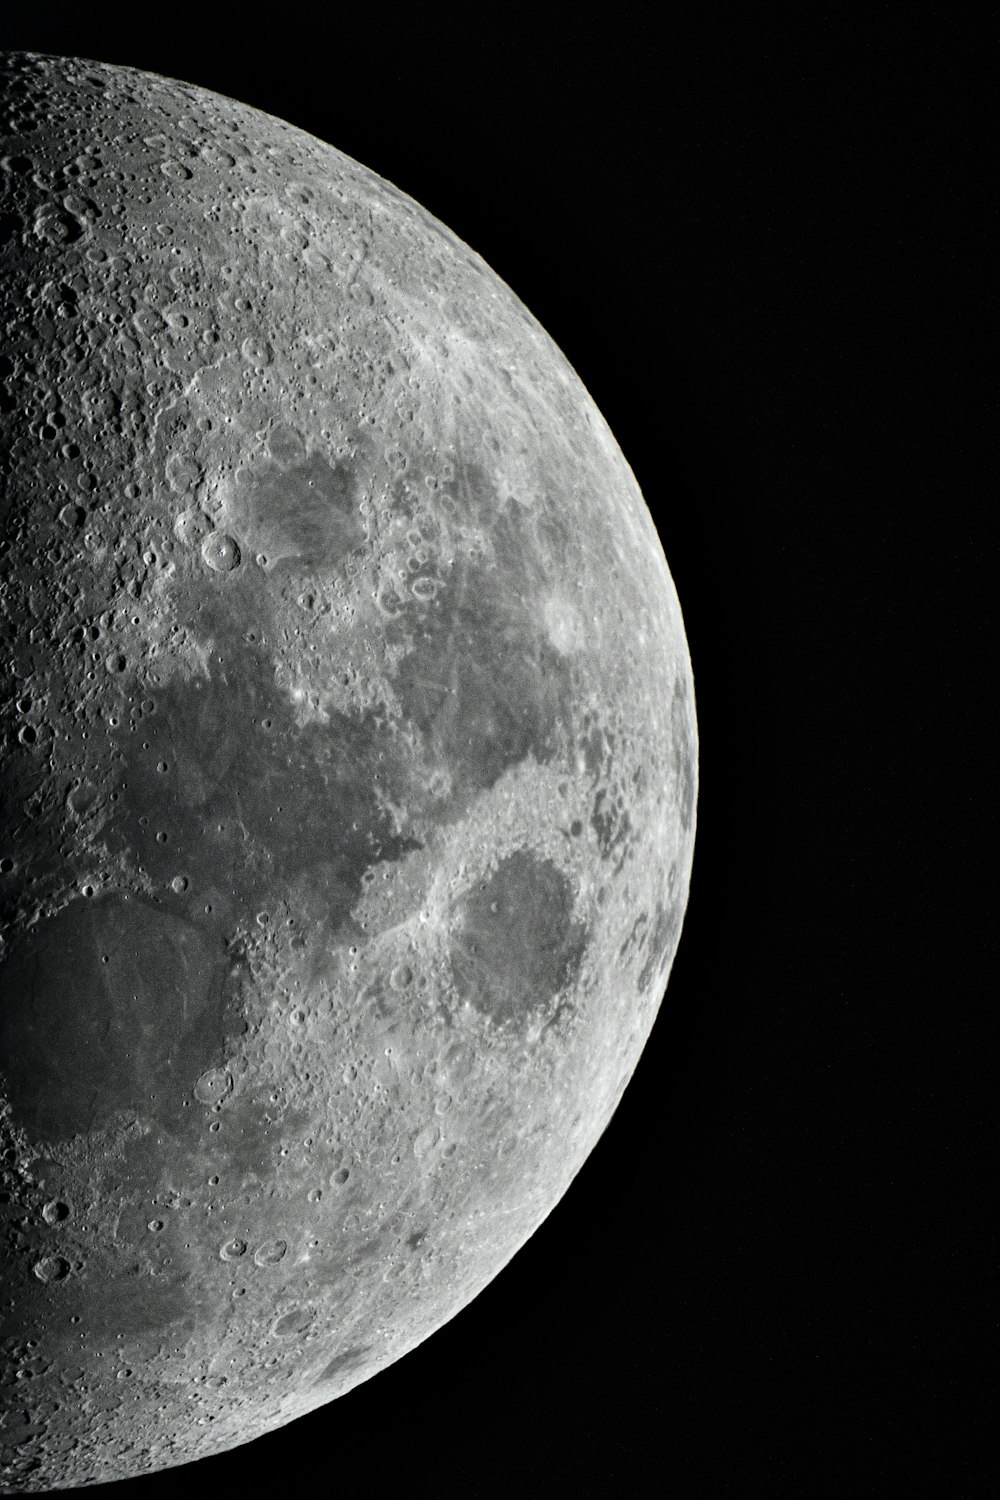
(662, 942)
(306, 512)
(515, 944)
(683, 753)
(341, 1363)
(110, 1005)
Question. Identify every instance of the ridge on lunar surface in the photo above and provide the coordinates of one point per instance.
(349, 773)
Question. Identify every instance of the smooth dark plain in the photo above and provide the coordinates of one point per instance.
(350, 773)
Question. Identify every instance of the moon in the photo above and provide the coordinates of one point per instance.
(349, 776)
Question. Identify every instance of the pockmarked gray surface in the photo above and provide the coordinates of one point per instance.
(349, 773)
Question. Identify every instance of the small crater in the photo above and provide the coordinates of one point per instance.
(341, 1362)
(56, 227)
(55, 1211)
(52, 1268)
(425, 1141)
(220, 552)
(81, 797)
(298, 1320)
(192, 527)
(257, 351)
(214, 1085)
(270, 1253)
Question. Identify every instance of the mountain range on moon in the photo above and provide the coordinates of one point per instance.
(349, 776)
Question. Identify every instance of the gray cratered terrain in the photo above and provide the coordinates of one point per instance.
(349, 773)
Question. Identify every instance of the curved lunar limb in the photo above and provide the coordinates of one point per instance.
(349, 773)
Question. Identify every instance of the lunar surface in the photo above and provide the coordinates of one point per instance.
(349, 773)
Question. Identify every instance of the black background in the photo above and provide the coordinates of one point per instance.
(766, 1276)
